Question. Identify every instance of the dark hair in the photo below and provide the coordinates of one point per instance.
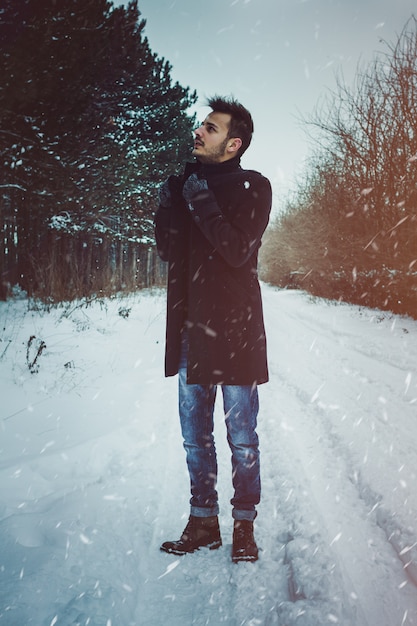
(241, 123)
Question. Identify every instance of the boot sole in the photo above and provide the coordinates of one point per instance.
(244, 558)
(211, 546)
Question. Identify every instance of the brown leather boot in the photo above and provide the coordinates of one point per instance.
(200, 532)
(244, 545)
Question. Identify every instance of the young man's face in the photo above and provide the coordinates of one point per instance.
(211, 143)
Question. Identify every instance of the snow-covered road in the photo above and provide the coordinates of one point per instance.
(93, 477)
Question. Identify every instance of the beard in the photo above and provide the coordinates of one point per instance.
(212, 155)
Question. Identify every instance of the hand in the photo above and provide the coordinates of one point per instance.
(194, 188)
(169, 191)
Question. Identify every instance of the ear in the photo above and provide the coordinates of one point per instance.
(234, 144)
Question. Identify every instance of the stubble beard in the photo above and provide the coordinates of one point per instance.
(214, 155)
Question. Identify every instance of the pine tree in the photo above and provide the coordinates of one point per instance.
(90, 121)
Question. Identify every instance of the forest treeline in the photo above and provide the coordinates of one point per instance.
(90, 123)
(349, 229)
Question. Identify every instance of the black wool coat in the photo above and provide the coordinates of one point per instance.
(212, 251)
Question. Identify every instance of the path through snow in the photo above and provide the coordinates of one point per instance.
(93, 477)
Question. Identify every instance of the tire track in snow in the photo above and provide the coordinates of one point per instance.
(336, 497)
(380, 417)
(340, 563)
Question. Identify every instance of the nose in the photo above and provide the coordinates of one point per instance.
(198, 131)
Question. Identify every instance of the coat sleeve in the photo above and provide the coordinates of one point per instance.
(237, 237)
(170, 222)
(162, 224)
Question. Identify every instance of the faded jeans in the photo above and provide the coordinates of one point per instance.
(196, 408)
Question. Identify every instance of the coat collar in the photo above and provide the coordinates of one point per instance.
(213, 169)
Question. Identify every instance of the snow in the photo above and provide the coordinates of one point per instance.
(93, 476)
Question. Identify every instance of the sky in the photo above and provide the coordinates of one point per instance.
(278, 57)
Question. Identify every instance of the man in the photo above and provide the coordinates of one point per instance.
(208, 227)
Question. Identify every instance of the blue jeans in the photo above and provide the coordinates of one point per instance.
(196, 408)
